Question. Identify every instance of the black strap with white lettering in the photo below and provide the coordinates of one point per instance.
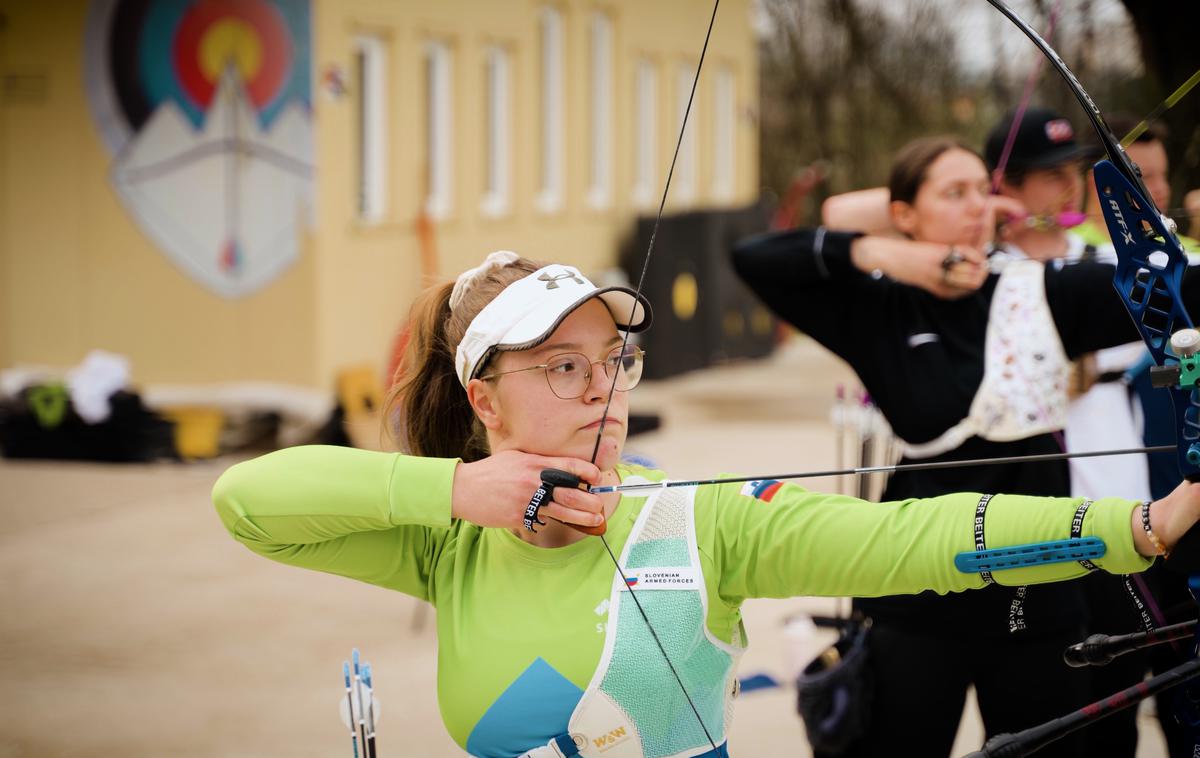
(1077, 531)
(1016, 609)
(980, 543)
(542, 495)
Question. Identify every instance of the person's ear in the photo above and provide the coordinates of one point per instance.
(904, 216)
(485, 401)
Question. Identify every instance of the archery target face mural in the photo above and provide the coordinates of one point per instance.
(206, 108)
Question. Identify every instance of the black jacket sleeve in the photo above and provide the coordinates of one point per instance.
(807, 278)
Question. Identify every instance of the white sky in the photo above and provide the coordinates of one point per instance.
(979, 22)
(985, 34)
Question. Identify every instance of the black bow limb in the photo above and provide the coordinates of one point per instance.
(1027, 741)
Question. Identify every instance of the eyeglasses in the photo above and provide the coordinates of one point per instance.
(569, 374)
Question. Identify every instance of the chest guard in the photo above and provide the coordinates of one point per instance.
(633, 707)
(1025, 371)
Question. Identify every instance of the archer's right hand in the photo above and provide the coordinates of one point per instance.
(496, 490)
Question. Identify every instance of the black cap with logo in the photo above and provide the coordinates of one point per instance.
(1044, 139)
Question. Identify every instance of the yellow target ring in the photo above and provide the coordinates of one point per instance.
(685, 294)
(230, 41)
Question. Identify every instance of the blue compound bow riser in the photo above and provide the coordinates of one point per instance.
(1148, 277)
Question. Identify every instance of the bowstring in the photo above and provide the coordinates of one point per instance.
(1026, 95)
(620, 367)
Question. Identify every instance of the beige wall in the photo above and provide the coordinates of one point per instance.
(76, 273)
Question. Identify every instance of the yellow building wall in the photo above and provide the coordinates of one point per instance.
(79, 274)
(76, 273)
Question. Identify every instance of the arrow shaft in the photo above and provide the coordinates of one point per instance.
(883, 469)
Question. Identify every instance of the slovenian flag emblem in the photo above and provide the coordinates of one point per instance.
(631, 581)
(763, 489)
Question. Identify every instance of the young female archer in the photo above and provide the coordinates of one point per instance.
(508, 372)
(971, 362)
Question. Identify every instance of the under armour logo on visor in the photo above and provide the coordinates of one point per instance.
(552, 281)
(1059, 130)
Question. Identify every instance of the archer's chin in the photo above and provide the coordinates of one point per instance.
(609, 453)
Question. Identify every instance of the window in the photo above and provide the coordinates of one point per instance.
(550, 180)
(600, 157)
(645, 134)
(439, 131)
(685, 167)
(497, 115)
(724, 146)
(369, 70)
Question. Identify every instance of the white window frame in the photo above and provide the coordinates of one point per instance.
(439, 129)
(645, 133)
(498, 115)
(686, 167)
(550, 172)
(724, 143)
(599, 195)
(370, 63)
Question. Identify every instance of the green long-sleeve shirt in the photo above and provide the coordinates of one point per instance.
(519, 621)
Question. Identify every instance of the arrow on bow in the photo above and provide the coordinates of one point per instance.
(863, 470)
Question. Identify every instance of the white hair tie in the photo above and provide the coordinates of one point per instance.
(466, 279)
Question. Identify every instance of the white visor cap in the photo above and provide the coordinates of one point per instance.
(528, 311)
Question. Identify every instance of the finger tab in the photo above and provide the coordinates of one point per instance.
(554, 477)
